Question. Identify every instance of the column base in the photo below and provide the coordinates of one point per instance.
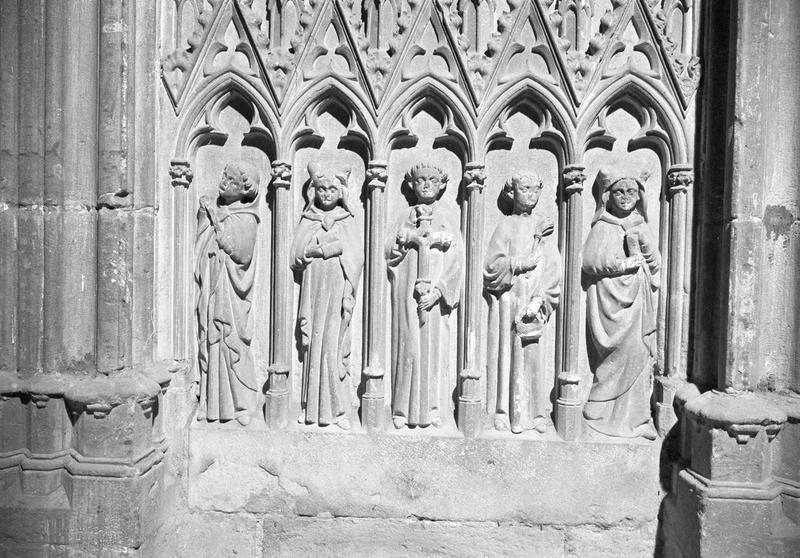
(276, 409)
(373, 412)
(568, 419)
(470, 416)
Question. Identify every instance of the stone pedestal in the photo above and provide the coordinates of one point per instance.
(725, 499)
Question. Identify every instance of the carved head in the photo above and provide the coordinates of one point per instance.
(524, 191)
(427, 181)
(327, 192)
(239, 182)
(620, 195)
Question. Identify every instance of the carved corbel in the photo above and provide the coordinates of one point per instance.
(574, 177)
(680, 179)
(180, 173)
(281, 174)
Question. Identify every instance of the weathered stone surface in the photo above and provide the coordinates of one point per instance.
(310, 473)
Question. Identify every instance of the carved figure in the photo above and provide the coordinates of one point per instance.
(425, 254)
(620, 272)
(224, 272)
(328, 252)
(523, 274)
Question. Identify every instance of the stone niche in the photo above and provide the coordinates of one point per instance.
(471, 407)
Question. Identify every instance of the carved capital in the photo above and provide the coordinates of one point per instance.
(474, 177)
(281, 174)
(680, 179)
(377, 175)
(574, 177)
(180, 173)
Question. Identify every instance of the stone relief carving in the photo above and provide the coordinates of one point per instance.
(225, 273)
(327, 252)
(621, 265)
(523, 274)
(425, 255)
(503, 81)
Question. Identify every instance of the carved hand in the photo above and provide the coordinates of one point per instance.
(529, 263)
(427, 301)
(442, 240)
(533, 307)
(633, 263)
(314, 251)
(206, 202)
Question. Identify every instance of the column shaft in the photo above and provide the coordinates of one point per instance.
(374, 346)
(9, 195)
(470, 398)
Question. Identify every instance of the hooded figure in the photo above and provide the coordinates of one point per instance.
(328, 252)
(523, 273)
(425, 255)
(621, 263)
(224, 273)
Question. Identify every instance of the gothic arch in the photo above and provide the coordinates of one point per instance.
(559, 134)
(330, 94)
(458, 119)
(211, 97)
(644, 101)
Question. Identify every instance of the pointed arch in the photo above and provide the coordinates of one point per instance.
(458, 119)
(211, 97)
(643, 100)
(530, 91)
(329, 93)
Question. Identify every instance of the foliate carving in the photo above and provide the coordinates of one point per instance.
(180, 173)
(281, 174)
(177, 66)
(328, 253)
(425, 255)
(574, 177)
(680, 179)
(225, 273)
(687, 68)
(523, 275)
(377, 176)
(621, 265)
(474, 177)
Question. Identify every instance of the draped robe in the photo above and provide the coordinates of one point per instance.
(420, 351)
(515, 362)
(224, 274)
(621, 311)
(327, 298)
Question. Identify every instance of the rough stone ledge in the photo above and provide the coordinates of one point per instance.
(304, 473)
(213, 534)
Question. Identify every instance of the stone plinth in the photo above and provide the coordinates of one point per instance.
(300, 472)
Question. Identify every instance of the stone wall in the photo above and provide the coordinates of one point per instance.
(117, 120)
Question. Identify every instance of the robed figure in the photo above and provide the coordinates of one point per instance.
(328, 254)
(621, 265)
(224, 273)
(425, 255)
(522, 275)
